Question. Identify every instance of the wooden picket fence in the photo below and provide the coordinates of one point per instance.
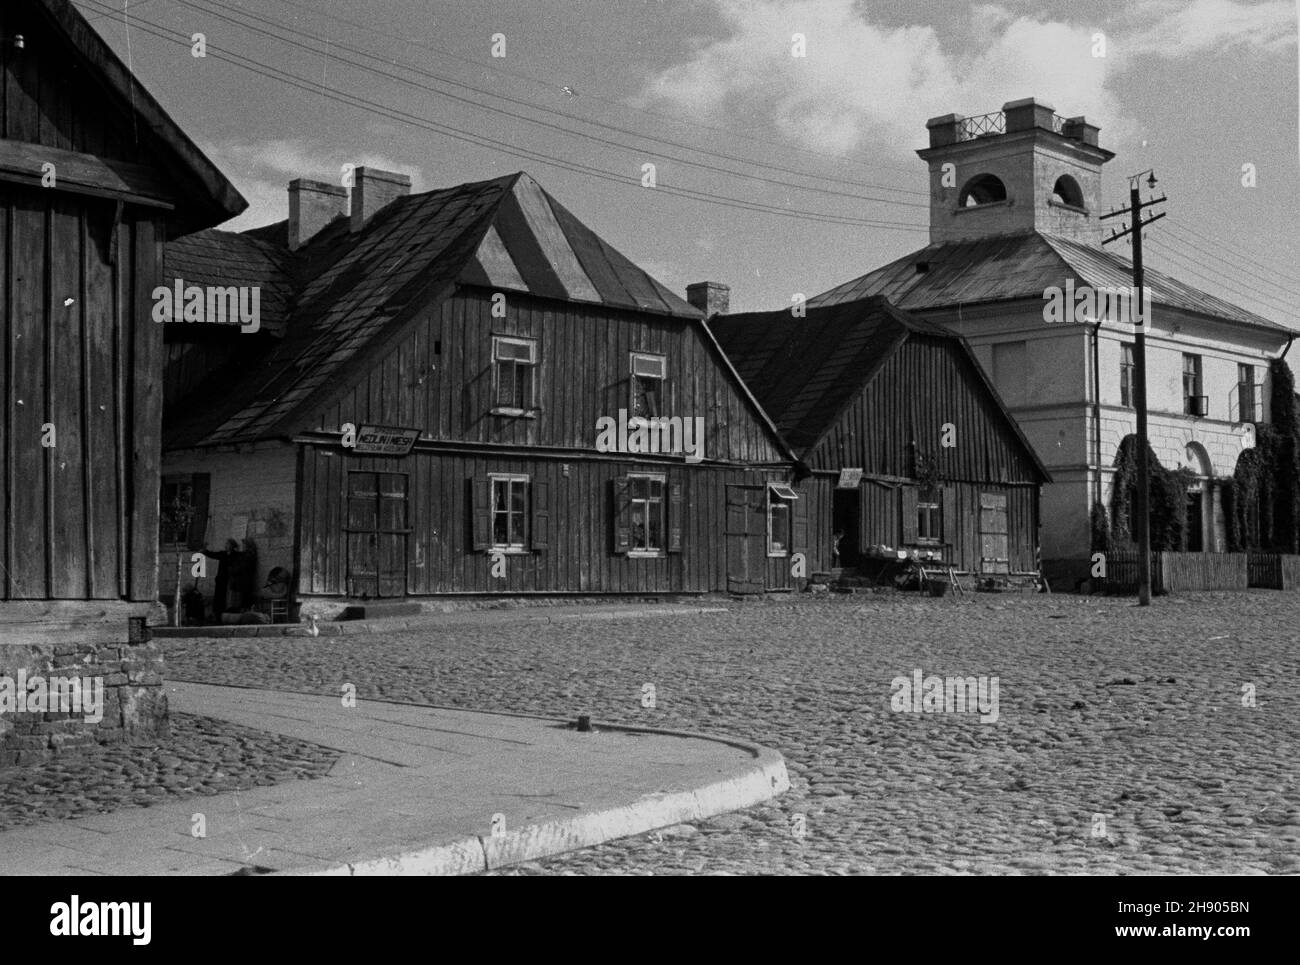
(1273, 571)
(1180, 572)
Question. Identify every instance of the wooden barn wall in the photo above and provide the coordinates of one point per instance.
(927, 383)
(80, 519)
(439, 378)
(882, 520)
(440, 555)
(47, 100)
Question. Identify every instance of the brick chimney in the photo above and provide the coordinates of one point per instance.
(313, 205)
(710, 297)
(373, 190)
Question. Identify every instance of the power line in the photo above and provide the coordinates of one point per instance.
(620, 105)
(1222, 278)
(1194, 268)
(478, 140)
(532, 120)
(1225, 254)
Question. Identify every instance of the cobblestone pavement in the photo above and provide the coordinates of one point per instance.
(204, 756)
(1123, 742)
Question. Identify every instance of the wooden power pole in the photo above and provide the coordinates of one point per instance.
(1140, 321)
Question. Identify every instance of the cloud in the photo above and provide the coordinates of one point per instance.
(1176, 28)
(863, 82)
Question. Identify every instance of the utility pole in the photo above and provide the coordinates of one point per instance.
(1134, 210)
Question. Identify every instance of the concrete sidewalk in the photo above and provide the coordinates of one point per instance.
(419, 790)
(434, 621)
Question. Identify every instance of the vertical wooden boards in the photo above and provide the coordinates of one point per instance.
(27, 471)
(99, 462)
(68, 493)
(145, 429)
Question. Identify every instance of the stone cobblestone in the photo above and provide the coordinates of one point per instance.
(203, 757)
(1107, 712)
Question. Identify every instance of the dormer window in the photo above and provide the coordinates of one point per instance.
(1067, 192)
(983, 189)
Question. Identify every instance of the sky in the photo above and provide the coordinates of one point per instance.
(775, 174)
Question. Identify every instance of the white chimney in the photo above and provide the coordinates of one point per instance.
(373, 190)
(312, 206)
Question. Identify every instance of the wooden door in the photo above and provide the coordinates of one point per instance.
(995, 555)
(376, 531)
(746, 535)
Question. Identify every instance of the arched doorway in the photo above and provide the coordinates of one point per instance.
(1202, 496)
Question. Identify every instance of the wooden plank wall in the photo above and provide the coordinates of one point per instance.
(580, 560)
(440, 377)
(80, 519)
(47, 100)
(926, 384)
(882, 521)
(1204, 571)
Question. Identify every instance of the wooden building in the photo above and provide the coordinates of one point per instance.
(94, 179)
(421, 411)
(907, 443)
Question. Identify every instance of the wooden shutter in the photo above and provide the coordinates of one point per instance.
(480, 503)
(674, 516)
(909, 500)
(622, 507)
(201, 485)
(541, 535)
(799, 524)
(948, 523)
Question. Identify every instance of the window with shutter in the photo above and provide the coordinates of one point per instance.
(541, 535)
(909, 508)
(622, 514)
(480, 488)
(675, 521)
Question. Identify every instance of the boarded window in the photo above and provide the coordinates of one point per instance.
(995, 556)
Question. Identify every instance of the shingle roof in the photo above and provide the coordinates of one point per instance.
(804, 371)
(1014, 266)
(221, 258)
(352, 290)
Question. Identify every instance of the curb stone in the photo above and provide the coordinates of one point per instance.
(763, 780)
(429, 621)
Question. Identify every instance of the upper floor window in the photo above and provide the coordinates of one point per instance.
(929, 520)
(1194, 402)
(1126, 376)
(982, 189)
(648, 375)
(1247, 395)
(1067, 191)
(514, 378)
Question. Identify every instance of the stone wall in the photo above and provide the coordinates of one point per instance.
(122, 699)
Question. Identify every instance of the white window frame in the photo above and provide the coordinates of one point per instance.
(643, 365)
(533, 346)
(662, 479)
(780, 494)
(509, 478)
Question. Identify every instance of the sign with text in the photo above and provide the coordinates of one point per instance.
(385, 440)
(849, 479)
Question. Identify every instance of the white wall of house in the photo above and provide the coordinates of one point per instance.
(251, 497)
(1044, 373)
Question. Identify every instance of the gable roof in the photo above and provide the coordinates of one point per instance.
(222, 258)
(209, 197)
(351, 293)
(1021, 265)
(806, 371)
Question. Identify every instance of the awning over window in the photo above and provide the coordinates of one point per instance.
(782, 491)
